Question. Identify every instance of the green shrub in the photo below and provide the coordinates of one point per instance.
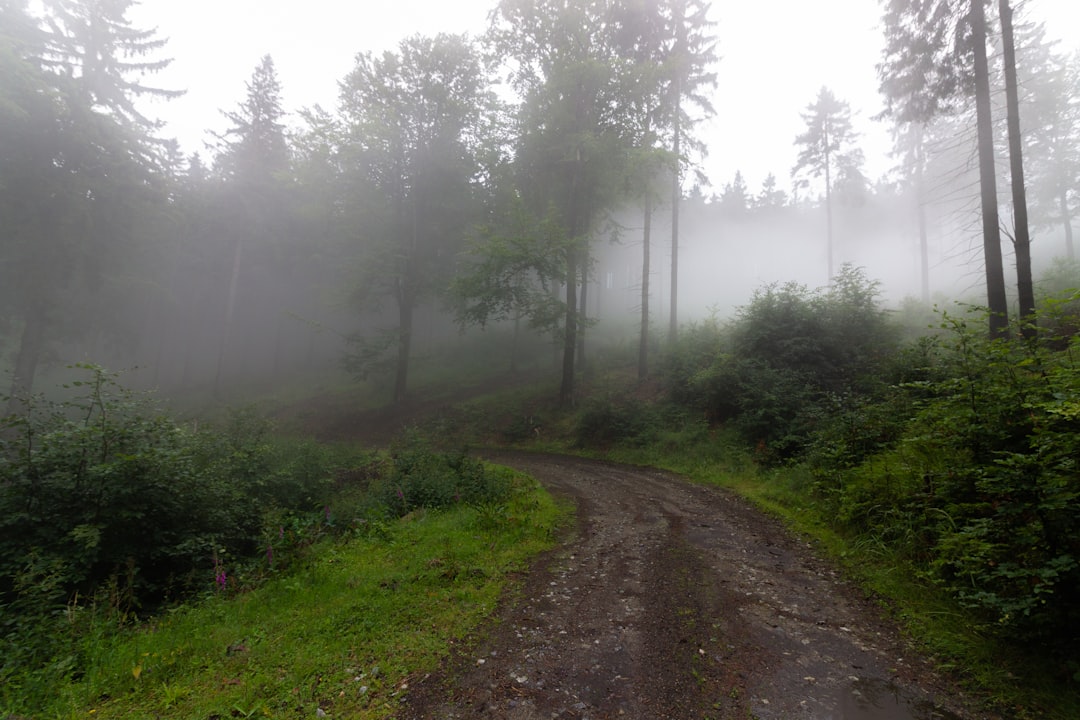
(416, 476)
(787, 362)
(972, 471)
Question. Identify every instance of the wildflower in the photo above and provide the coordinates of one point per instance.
(270, 555)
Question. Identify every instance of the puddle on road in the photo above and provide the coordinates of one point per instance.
(881, 700)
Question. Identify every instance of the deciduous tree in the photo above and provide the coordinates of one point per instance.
(411, 118)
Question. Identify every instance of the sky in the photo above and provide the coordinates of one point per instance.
(775, 56)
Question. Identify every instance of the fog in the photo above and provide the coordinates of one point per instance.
(330, 248)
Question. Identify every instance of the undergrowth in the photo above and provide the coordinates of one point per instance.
(142, 559)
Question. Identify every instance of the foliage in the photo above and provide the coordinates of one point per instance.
(418, 477)
(109, 510)
(365, 613)
(627, 422)
(969, 470)
(790, 358)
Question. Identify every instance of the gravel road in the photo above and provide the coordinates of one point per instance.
(672, 600)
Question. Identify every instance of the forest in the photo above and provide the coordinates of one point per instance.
(526, 208)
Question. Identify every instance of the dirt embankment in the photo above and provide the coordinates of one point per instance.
(677, 601)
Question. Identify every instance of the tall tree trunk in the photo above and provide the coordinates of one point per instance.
(1021, 237)
(566, 389)
(26, 360)
(828, 210)
(997, 300)
(230, 306)
(404, 346)
(1066, 219)
(920, 209)
(643, 340)
(583, 307)
(676, 197)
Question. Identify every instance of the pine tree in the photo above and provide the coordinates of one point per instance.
(828, 152)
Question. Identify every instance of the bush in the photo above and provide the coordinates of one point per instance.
(418, 477)
(981, 486)
(788, 361)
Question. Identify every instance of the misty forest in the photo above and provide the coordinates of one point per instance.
(509, 239)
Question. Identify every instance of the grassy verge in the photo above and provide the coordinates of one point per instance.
(344, 633)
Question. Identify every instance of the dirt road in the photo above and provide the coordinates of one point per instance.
(677, 601)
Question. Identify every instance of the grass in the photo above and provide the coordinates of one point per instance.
(345, 633)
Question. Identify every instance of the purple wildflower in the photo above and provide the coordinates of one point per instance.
(270, 555)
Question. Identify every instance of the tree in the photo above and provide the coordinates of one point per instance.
(78, 162)
(935, 56)
(693, 49)
(909, 142)
(642, 32)
(93, 44)
(1021, 234)
(252, 158)
(1053, 140)
(770, 198)
(411, 117)
(735, 199)
(829, 150)
(574, 135)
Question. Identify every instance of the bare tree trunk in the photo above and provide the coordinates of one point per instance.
(997, 300)
(1022, 237)
(920, 191)
(26, 360)
(583, 306)
(828, 209)
(643, 342)
(404, 348)
(230, 306)
(1066, 219)
(676, 196)
(566, 389)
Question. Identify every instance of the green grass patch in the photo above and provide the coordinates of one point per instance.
(345, 632)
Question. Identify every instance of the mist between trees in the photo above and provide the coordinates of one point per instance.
(540, 179)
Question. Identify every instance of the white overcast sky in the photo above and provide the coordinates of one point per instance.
(776, 54)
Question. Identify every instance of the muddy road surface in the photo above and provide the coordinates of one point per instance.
(671, 600)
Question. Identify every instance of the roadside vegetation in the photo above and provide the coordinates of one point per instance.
(937, 465)
(151, 568)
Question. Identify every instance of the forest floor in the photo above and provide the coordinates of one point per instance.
(673, 600)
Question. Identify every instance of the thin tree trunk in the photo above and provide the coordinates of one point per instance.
(230, 306)
(566, 389)
(676, 197)
(583, 306)
(828, 210)
(1066, 219)
(920, 189)
(405, 331)
(643, 342)
(997, 300)
(26, 360)
(1022, 237)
